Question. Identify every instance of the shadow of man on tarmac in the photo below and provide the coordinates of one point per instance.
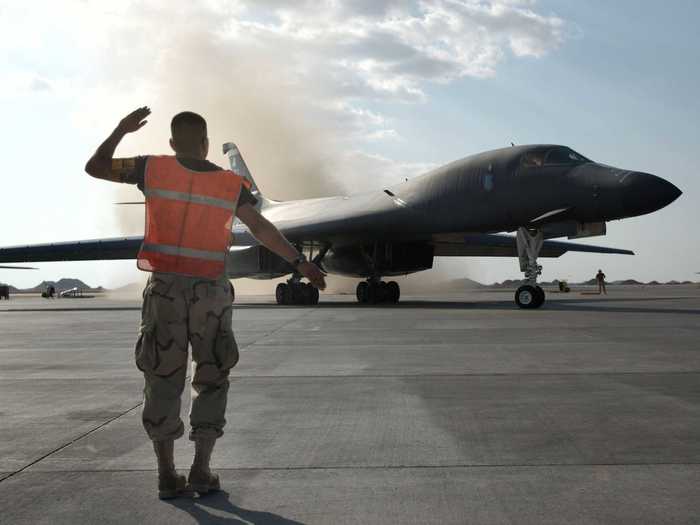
(217, 508)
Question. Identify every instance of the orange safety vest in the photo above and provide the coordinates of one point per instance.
(189, 215)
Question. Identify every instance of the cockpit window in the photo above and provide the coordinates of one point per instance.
(533, 159)
(558, 156)
(563, 155)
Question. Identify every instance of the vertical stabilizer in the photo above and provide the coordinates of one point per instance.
(239, 166)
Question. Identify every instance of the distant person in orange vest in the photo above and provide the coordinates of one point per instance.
(600, 277)
(190, 208)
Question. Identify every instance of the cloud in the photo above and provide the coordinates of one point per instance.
(297, 84)
(39, 84)
(22, 83)
(305, 88)
(384, 171)
(392, 49)
(345, 54)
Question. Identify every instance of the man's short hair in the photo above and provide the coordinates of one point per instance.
(188, 129)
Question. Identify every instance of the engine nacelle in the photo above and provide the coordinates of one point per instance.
(391, 259)
(256, 262)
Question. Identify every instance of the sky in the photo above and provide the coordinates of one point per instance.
(329, 98)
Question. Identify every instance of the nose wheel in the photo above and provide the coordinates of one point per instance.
(528, 296)
(378, 292)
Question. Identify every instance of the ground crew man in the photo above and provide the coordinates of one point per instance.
(600, 278)
(190, 206)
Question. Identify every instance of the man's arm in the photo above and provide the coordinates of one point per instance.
(264, 231)
(100, 164)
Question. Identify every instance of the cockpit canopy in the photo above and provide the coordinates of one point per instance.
(552, 156)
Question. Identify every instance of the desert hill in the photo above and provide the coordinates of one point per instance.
(60, 285)
(447, 286)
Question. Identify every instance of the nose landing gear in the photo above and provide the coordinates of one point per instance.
(374, 291)
(530, 295)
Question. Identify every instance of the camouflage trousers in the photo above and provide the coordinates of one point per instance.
(179, 311)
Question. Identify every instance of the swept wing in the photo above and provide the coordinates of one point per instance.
(474, 245)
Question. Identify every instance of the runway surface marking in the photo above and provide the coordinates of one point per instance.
(131, 409)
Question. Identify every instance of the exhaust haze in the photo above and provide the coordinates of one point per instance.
(296, 146)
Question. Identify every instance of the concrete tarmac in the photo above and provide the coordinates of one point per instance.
(442, 410)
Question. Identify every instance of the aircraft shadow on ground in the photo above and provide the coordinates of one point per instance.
(594, 304)
(217, 508)
(578, 305)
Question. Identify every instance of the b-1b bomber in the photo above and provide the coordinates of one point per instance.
(462, 209)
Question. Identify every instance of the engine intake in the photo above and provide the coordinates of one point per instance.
(379, 259)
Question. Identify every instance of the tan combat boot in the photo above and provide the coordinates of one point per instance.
(201, 479)
(170, 483)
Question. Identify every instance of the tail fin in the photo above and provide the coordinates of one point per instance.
(239, 166)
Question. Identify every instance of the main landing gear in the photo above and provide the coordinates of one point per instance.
(296, 292)
(530, 295)
(375, 291)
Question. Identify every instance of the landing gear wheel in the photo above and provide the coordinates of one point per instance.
(540, 296)
(376, 292)
(296, 293)
(310, 294)
(304, 294)
(394, 291)
(372, 293)
(528, 297)
(281, 293)
(382, 292)
(361, 292)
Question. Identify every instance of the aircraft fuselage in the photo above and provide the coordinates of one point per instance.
(504, 189)
(495, 191)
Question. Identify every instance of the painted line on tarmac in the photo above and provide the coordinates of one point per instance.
(405, 467)
(127, 308)
(275, 330)
(96, 309)
(65, 445)
(471, 374)
(105, 423)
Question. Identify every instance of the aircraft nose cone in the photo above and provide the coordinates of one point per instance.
(645, 193)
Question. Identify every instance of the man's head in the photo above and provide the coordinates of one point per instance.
(189, 135)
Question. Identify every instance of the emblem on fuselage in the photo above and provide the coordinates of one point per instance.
(488, 182)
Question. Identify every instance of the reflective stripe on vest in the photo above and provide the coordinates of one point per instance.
(184, 252)
(189, 197)
(189, 215)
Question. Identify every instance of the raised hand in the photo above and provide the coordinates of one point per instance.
(313, 273)
(134, 121)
